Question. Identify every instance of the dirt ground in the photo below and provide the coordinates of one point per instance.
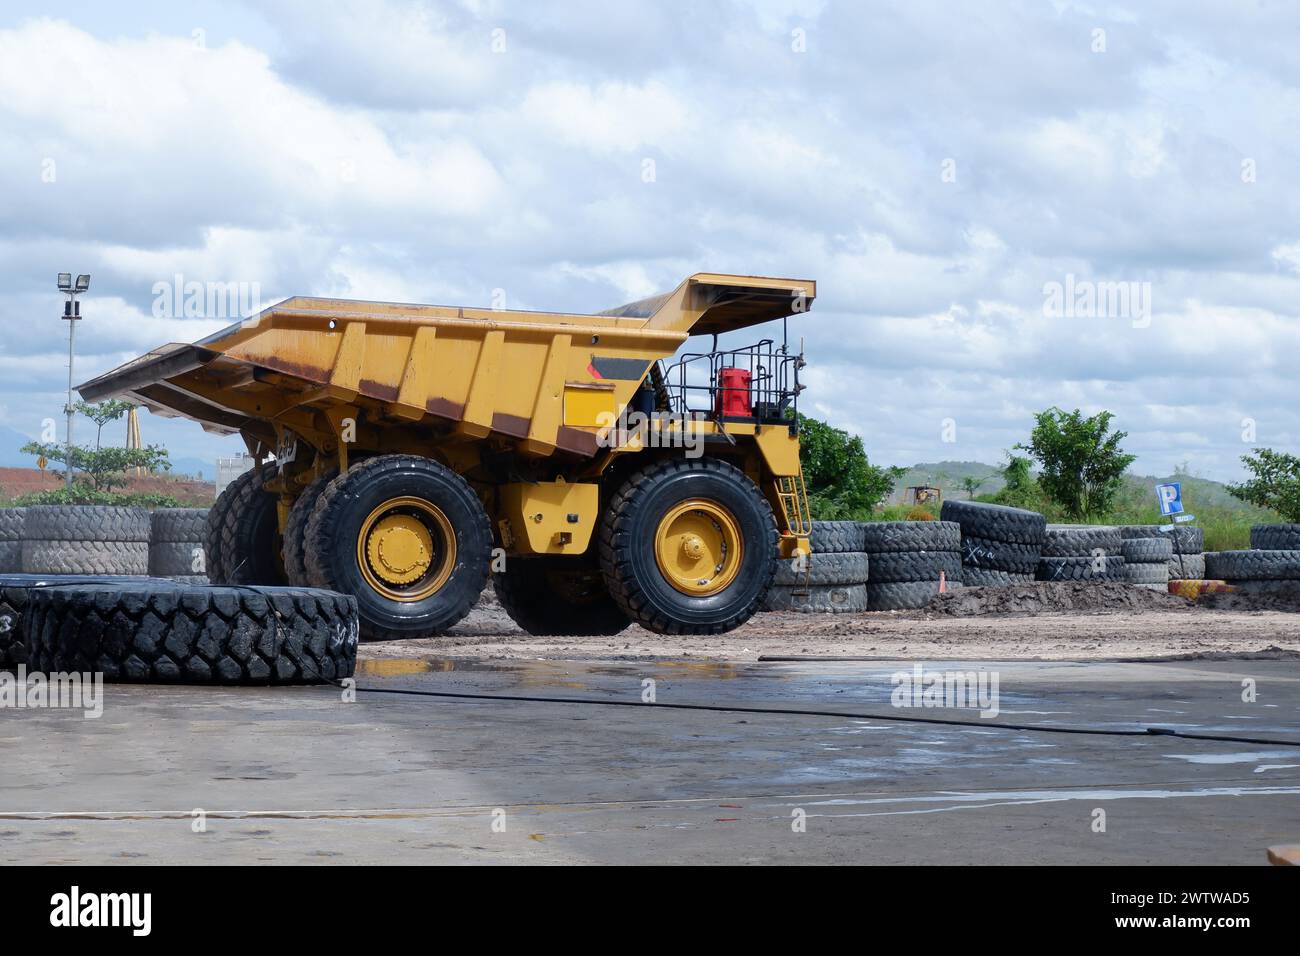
(1032, 622)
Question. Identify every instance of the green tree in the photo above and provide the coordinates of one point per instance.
(1019, 489)
(1081, 463)
(102, 469)
(1275, 485)
(842, 483)
(970, 484)
(102, 414)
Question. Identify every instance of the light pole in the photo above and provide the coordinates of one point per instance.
(72, 315)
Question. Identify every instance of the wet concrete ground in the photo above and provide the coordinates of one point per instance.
(298, 775)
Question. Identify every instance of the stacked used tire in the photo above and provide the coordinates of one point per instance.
(1146, 562)
(1081, 553)
(908, 559)
(176, 544)
(85, 539)
(1273, 559)
(1187, 548)
(1000, 546)
(11, 539)
(833, 579)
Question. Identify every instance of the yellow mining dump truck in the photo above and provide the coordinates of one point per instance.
(407, 451)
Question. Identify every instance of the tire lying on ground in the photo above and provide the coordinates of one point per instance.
(11, 536)
(817, 599)
(835, 567)
(1253, 565)
(15, 591)
(147, 632)
(176, 543)
(903, 595)
(883, 537)
(996, 522)
(1099, 568)
(1079, 541)
(85, 539)
(1275, 537)
(836, 537)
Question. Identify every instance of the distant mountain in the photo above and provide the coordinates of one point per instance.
(10, 441)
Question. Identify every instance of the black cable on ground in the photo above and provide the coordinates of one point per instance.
(774, 711)
(897, 718)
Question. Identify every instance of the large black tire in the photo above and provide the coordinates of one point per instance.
(188, 525)
(85, 557)
(250, 534)
(1147, 550)
(1146, 572)
(836, 537)
(1188, 567)
(819, 599)
(217, 570)
(1275, 537)
(901, 567)
(295, 528)
(843, 567)
(627, 546)
(86, 523)
(883, 537)
(985, 578)
(1191, 539)
(150, 632)
(1073, 541)
(1253, 565)
(11, 536)
(993, 555)
(1100, 568)
(996, 522)
(12, 521)
(170, 558)
(336, 523)
(15, 593)
(902, 595)
(548, 595)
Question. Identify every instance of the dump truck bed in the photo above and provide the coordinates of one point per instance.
(543, 381)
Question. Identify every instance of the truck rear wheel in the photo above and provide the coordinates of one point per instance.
(248, 548)
(548, 595)
(295, 529)
(408, 538)
(689, 547)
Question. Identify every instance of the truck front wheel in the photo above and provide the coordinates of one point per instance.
(689, 547)
(408, 538)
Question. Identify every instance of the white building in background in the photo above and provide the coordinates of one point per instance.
(228, 469)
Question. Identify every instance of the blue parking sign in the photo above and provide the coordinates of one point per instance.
(1170, 497)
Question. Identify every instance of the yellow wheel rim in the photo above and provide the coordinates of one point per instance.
(406, 549)
(698, 547)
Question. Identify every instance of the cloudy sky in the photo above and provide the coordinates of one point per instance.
(943, 170)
